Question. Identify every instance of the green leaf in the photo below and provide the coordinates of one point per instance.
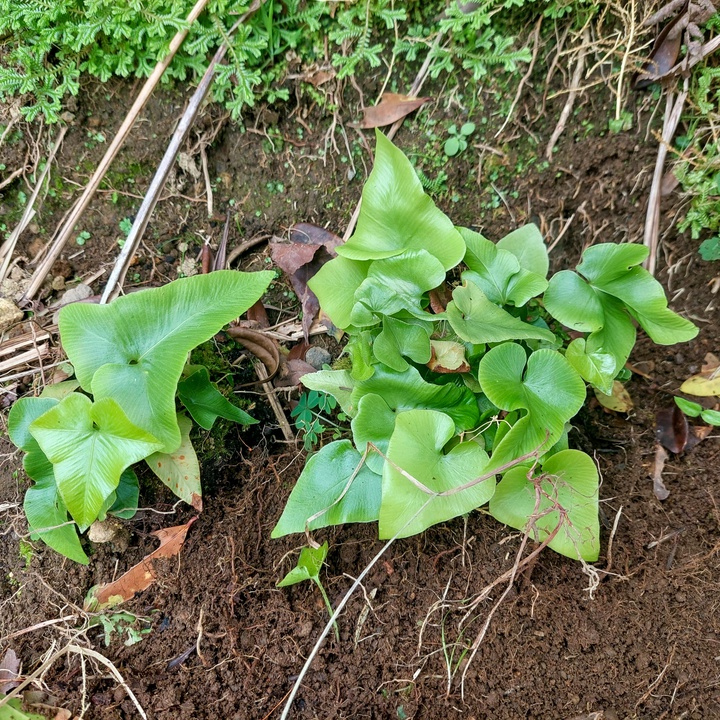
(451, 147)
(603, 354)
(407, 390)
(545, 385)
(89, 444)
(526, 244)
(397, 216)
(396, 284)
(335, 285)
(571, 482)
(690, 408)
(308, 566)
(43, 505)
(374, 423)
(322, 482)
(497, 272)
(417, 447)
(180, 470)
(127, 496)
(711, 417)
(612, 269)
(134, 349)
(402, 338)
(205, 402)
(477, 320)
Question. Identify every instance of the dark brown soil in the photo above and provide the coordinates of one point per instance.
(644, 644)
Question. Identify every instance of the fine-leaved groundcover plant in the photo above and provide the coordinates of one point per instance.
(467, 366)
(81, 437)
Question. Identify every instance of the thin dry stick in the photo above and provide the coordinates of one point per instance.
(114, 284)
(38, 626)
(673, 112)
(526, 76)
(274, 403)
(78, 209)
(570, 101)
(623, 65)
(8, 246)
(565, 227)
(414, 90)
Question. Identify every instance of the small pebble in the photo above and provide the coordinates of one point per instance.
(317, 357)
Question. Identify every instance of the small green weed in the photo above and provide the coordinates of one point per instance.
(458, 140)
(311, 417)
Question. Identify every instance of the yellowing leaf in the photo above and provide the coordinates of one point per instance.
(618, 401)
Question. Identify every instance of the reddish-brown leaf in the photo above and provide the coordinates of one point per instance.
(310, 247)
(663, 55)
(257, 315)
(391, 107)
(140, 576)
(671, 429)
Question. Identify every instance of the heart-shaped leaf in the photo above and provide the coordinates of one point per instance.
(571, 483)
(89, 444)
(43, 505)
(478, 320)
(613, 269)
(407, 390)
(180, 470)
(417, 447)
(134, 349)
(396, 215)
(402, 338)
(527, 245)
(205, 402)
(322, 482)
(545, 386)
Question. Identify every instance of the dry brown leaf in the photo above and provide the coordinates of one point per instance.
(140, 576)
(9, 671)
(663, 55)
(391, 107)
(310, 247)
(671, 428)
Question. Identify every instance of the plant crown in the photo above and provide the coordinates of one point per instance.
(82, 436)
(444, 397)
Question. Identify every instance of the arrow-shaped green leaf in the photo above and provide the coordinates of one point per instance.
(417, 447)
(134, 349)
(89, 444)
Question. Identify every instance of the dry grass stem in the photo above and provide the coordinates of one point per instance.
(80, 206)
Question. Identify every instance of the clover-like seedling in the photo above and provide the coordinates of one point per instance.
(308, 568)
(457, 142)
(693, 409)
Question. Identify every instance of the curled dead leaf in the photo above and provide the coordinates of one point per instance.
(140, 576)
(447, 357)
(259, 344)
